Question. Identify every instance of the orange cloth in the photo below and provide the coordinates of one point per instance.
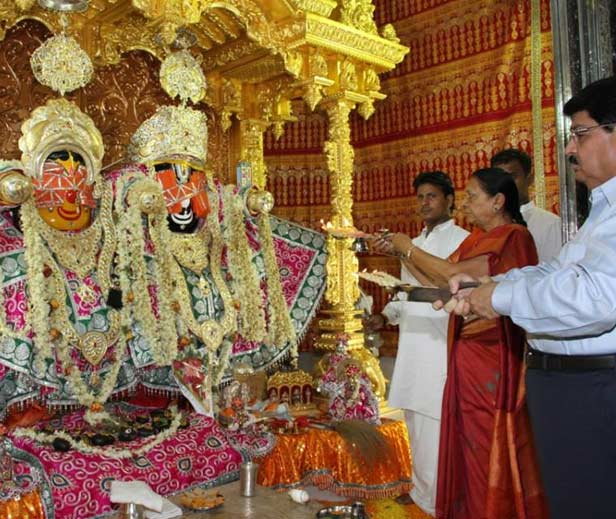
(28, 506)
(487, 464)
(322, 458)
(32, 414)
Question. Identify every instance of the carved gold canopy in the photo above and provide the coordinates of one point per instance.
(257, 55)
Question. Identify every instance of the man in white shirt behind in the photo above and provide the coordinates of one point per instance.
(420, 368)
(543, 225)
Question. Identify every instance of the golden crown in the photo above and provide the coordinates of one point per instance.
(61, 64)
(60, 125)
(171, 131)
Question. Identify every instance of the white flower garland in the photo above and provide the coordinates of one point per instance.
(160, 332)
(108, 452)
(245, 280)
(61, 319)
(38, 309)
(41, 291)
(281, 330)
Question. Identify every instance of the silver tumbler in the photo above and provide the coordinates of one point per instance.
(248, 478)
(131, 511)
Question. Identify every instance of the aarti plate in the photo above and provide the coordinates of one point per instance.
(201, 501)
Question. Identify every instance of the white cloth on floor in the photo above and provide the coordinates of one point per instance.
(169, 511)
(136, 492)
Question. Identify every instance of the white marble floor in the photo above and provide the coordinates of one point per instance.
(265, 504)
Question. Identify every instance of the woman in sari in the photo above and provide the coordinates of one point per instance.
(487, 467)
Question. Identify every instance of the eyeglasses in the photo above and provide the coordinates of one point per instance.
(581, 131)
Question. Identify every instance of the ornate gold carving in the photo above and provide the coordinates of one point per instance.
(24, 5)
(289, 378)
(181, 76)
(230, 53)
(346, 40)
(126, 33)
(252, 149)
(149, 196)
(340, 156)
(371, 80)
(169, 15)
(177, 11)
(320, 7)
(294, 62)
(366, 109)
(318, 65)
(342, 290)
(389, 33)
(348, 76)
(359, 14)
(313, 95)
(231, 102)
(259, 70)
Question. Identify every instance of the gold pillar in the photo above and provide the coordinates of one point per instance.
(342, 290)
(251, 149)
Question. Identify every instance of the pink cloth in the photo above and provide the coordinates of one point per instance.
(80, 483)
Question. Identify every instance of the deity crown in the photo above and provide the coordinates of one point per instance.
(171, 131)
(60, 125)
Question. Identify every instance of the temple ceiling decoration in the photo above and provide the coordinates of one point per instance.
(257, 55)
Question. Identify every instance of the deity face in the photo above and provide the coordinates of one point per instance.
(62, 196)
(185, 193)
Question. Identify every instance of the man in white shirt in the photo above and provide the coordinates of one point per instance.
(568, 304)
(420, 369)
(543, 225)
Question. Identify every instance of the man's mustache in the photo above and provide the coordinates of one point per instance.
(573, 160)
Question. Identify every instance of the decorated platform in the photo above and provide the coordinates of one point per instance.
(198, 453)
(322, 457)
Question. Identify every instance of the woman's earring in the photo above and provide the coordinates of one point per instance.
(495, 209)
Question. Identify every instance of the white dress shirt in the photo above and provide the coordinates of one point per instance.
(545, 228)
(420, 369)
(569, 302)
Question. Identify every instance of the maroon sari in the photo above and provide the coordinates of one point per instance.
(487, 467)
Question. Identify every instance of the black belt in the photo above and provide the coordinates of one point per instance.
(546, 361)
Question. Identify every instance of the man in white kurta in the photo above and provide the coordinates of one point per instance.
(421, 362)
(543, 225)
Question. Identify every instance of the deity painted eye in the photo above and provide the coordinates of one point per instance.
(78, 158)
(163, 166)
(59, 155)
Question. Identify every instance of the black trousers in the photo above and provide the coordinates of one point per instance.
(573, 415)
